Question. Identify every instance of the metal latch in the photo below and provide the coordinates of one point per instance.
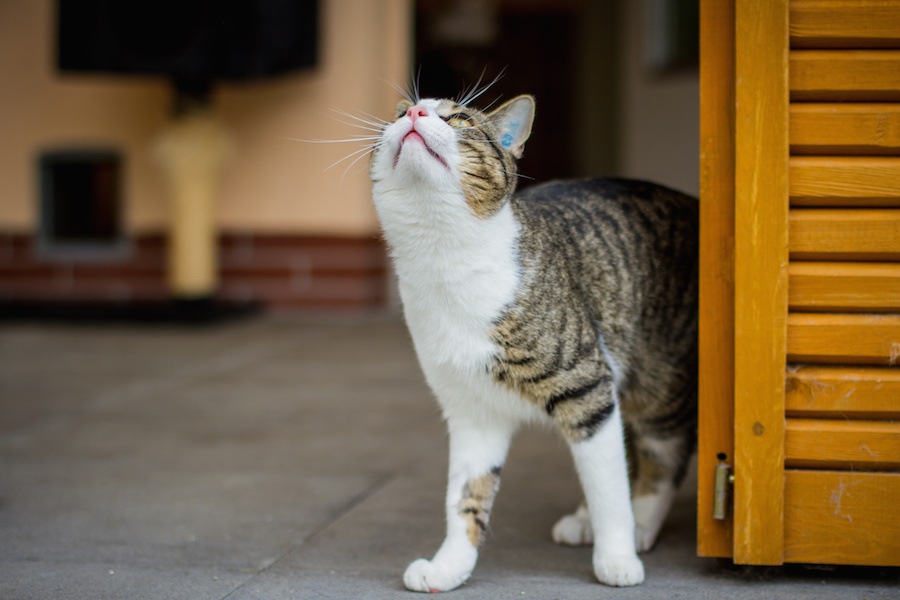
(724, 479)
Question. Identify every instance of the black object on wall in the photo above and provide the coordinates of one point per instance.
(81, 205)
(193, 42)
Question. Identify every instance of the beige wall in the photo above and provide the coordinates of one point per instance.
(660, 118)
(272, 185)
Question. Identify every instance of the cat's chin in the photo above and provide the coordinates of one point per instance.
(412, 139)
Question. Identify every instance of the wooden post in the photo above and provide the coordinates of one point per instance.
(761, 275)
(716, 376)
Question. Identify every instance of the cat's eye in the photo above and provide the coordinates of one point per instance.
(460, 120)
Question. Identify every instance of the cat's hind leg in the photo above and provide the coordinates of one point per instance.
(574, 529)
(477, 452)
(661, 465)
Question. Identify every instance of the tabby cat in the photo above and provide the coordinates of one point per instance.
(572, 303)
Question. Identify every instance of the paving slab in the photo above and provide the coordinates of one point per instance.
(285, 458)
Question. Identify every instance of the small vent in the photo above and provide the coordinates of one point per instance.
(81, 205)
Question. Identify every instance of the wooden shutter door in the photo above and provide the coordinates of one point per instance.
(800, 237)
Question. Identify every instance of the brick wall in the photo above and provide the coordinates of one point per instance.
(282, 272)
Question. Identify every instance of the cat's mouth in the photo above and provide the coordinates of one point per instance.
(414, 137)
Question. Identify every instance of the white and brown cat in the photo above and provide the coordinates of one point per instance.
(572, 303)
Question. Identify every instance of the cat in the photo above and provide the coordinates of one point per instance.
(572, 303)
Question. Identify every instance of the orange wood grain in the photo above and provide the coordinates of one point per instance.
(844, 287)
(845, 181)
(844, 338)
(857, 445)
(845, 75)
(845, 234)
(842, 518)
(761, 201)
(849, 23)
(845, 128)
(843, 392)
(716, 368)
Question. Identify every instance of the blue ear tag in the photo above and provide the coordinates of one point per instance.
(507, 139)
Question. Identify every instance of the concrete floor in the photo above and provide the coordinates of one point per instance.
(284, 458)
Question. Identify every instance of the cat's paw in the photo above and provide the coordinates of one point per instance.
(644, 538)
(619, 570)
(574, 529)
(428, 576)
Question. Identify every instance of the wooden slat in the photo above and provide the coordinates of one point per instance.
(845, 23)
(844, 287)
(842, 518)
(845, 75)
(716, 368)
(857, 445)
(845, 234)
(761, 200)
(845, 181)
(843, 392)
(843, 338)
(846, 129)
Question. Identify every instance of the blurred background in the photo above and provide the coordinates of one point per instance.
(150, 149)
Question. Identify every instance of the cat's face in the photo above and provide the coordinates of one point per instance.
(444, 147)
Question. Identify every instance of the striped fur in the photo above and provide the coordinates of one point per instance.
(609, 301)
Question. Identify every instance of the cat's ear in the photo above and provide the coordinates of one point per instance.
(514, 120)
(402, 108)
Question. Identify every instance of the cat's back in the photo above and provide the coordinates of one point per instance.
(620, 221)
(617, 204)
(623, 250)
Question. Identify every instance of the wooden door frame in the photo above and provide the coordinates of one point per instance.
(716, 343)
(761, 278)
(744, 235)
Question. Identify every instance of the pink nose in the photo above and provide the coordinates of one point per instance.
(414, 112)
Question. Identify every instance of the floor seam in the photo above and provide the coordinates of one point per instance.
(347, 508)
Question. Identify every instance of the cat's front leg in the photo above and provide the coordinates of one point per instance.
(602, 468)
(477, 452)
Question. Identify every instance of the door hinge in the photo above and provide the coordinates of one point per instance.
(722, 487)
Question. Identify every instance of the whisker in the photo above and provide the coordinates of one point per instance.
(373, 128)
(463, 97)
(364, 151)
(492, 103)
(477, 92)
(405, 92)
(415, 85)
(353, 139)
(353, 116)
(374, 122)
(356, 160)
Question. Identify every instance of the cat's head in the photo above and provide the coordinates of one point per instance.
(442, 146)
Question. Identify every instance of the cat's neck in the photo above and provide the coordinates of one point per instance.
(428, 229)
(446, 256)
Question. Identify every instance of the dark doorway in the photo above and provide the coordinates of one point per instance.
(560, 51)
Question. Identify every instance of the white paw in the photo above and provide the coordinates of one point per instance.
(573, 530)
(619, 570)
(644, 539)
(428, 576)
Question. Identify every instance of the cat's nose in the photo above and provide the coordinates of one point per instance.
(414, 112)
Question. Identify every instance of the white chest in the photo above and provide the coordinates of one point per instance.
(456, 273)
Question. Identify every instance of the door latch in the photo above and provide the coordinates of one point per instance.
(723, 481)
